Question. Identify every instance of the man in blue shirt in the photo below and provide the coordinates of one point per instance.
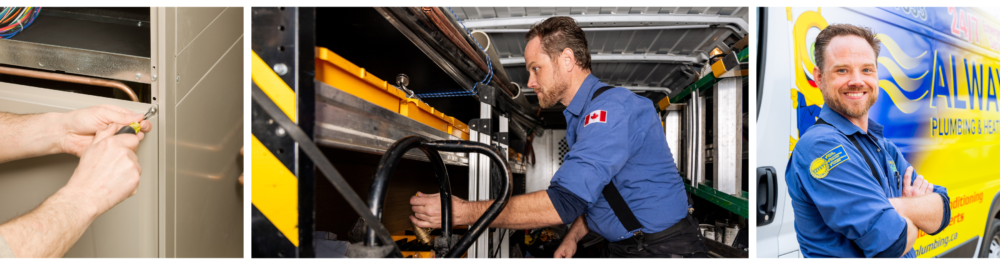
(844, 176)
(618, 179)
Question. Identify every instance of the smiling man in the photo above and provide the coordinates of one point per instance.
(618, 178)
(848, 195)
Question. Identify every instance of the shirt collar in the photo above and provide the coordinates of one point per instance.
(845, 126)
(583, 94)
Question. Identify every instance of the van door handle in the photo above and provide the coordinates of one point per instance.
(767, 195)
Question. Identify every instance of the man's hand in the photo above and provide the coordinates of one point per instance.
(109, 170)
(108, 173)
(919, 187)
(427, 210)
(80, 126)
(566, 249)
(576, 232)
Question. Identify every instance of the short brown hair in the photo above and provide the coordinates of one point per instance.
(835, 30)
(559, 33)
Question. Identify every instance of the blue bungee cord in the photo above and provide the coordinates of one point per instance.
(486, 80)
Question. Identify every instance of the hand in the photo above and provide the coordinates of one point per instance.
(919, 187)
(108, 172)
(427, 210)
(566, 249)
(81, 125)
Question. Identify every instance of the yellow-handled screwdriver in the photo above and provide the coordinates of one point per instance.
(135, 127)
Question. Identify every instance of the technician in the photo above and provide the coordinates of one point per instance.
(618, 178)
(843, 176)
(108, 173)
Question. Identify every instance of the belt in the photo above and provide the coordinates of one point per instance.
(638, 237)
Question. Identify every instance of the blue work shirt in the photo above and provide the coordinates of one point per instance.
(841, 210)
(628, 147)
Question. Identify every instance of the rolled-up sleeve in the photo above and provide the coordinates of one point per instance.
(599, 153)
(850, 201)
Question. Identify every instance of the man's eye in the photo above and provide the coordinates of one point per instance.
(535, 69)
(842, 70)
(869, 70)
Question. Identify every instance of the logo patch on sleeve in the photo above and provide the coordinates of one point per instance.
(595, 117)
(821, 166)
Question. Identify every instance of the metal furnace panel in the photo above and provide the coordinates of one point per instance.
(127, 230)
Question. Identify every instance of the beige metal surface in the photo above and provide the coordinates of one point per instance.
(201, 101)
(127, 230)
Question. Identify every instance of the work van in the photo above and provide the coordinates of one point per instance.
(938, 71)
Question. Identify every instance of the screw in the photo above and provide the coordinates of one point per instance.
(280, 131)
(178, 79)
(140, 23)
(280, 69)
(154, 77)
(270, 121)
(138, 76)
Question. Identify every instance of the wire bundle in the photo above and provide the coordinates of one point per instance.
(486, 79)
(14, 19)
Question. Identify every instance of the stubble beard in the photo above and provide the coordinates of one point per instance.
(548, 97)
(855, 110)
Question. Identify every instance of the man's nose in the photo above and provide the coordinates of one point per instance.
(532, 84)
(856, 80)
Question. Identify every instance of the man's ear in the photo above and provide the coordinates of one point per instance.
(817, 76)
(567, 59)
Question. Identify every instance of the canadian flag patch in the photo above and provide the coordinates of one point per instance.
(596, 116)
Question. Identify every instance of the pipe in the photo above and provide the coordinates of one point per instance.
(484, 40)
(442, 23)
(386, 166)
(71, 79)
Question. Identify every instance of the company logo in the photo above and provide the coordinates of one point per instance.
(821, 166)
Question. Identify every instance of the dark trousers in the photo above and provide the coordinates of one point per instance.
(684, 243)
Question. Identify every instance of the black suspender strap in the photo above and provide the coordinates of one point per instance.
(624, 214)
(867, 160)
(611, 194)
(854, 141)
(600, 91)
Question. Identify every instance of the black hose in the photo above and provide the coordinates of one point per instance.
(380, 183)
(494, 210)
(391, 159)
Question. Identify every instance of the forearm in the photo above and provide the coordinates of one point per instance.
(51, 229)
(925, 211)
(526, 211)
(28, 135)
(577, 230)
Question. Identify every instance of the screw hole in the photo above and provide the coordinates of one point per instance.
(281, 8)
(281, 150)
(281, 28)
(281, 48)
(154, 98)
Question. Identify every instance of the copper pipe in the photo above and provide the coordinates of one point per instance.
(453, 34)
(71, 79)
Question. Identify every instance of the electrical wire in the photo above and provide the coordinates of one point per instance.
(486, 80)
(14, 19)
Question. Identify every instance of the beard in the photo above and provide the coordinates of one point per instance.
(549, 96)
(835, 101)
